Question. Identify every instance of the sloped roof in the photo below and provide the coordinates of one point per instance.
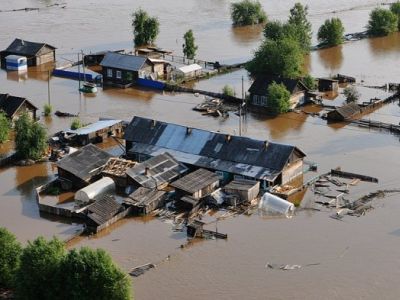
(10, 104)
(103, 209)
(101, 124)
(123, 61)
(85, 163)
(160, 169)
(195, 181)
(241, 185)
(347, 111)
(144, 196)
(26, 48)
(262, 82)
(212, 150)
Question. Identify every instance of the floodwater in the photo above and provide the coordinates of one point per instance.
(353, 258)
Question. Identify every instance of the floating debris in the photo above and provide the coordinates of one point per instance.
(138, 271)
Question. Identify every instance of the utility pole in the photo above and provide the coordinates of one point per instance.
(83, 66)
(48, 86)
(79, 74)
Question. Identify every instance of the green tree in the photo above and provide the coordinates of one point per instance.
(278, 98)
(247, 12)
(331, 32)
(4, 127)
(310, 82)
(47, 109)
(10, 252)
(283, 58)
(76, 123)
(395, 8)
(301, 25)
(382, 22)
(91, 274)
(189, 47)
(351, 94)
(227, 90)
(145, 28)
(37, 276)
(30, 138)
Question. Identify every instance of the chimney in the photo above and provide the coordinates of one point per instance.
(228, 138)
(146, 171)
(266, 143)
(188, 130)
(153, 123)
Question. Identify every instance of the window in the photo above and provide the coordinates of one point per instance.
(119, 75)
(109, 73)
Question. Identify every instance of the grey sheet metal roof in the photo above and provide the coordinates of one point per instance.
(85, 163)
(161, 169)
(26, 48)
(195, 181)
(10, 104)
(144, 196)
(103, 209)
(123, 61)
(234, 154)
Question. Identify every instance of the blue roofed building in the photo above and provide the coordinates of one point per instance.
(230, 156)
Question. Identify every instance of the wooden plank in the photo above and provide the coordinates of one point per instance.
(349, 175)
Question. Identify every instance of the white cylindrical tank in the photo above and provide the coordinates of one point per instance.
(275, 205)
(85, 195)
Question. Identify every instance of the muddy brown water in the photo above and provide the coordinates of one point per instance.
(353, 258)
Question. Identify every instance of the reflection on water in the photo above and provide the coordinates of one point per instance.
(331, 58)
(383, 46)
(247, 34)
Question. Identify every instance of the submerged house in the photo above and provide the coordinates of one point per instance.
(328, 85)
(259, 90)
(35, 53)
(124, 69)
(230, 156)
(14, 107)
(145, 200)
(346, 112)
(82, 167)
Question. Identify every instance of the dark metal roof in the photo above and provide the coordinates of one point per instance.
(195, 181)
(206, 149)
(144, 196)
(123, 61)
(10, 104)
(85, 163)
(262, 82)
(26, 48)
(160, 169)
(103, 209)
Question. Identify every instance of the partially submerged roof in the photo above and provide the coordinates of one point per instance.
(262, 82)
(241, 185)
(195, 181)
(99, 125)
(10, 104)
(346, 111)
(211, 150)
(156, 171)
(26, 48)
(190, 68)
(144, 196)
(123, 61)
(103, 209)
(85, 163)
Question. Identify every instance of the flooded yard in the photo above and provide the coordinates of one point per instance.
(352, 258)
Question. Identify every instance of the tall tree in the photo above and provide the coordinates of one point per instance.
(382, 22)
(282, 57)
(331, 32)
(145, 28)
(4, 127)
(395, 8)
(189, 46)
(298, 18)
(278, 98)
(10, 251)
(247, 12)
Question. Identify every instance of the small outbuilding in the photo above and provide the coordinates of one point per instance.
(244, 190)
(96, 189)
(35, 53)
(14, 107)
(346, 112)
(145, 200)
(82, 167)
(189, 71)
(328, 85)
(16, 63)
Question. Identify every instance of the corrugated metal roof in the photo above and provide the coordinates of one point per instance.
(190, 68)
(195, 181)
(27, 48)
(162, 168)
(85, 163)
(234, 154)
(123, 61)
(94, 127)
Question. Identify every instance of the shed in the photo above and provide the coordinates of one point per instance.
(116, 169)
(16, 63)
(344, 113)
(102, 211)
(328, 85)
(123, 69)
(36, 53)
(160, 67)
(245, 190)
(14, 107)
(189, 71)
(96, 189)
(197, 184)
(156, 172)
(145, 200)
(82, 167)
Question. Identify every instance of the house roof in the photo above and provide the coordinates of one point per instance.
(346, 111)
(144, 196)
(85, 163)
(190, 68)
(26, 48)
(195, 181)
(211, 150)
(123, 61)
(103, 209)
(161, 169)
(262, 82)
(10, 104)
(241, 185)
